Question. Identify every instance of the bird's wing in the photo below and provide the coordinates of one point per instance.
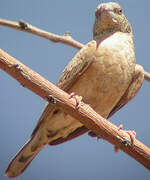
(132, 89)
(130, 93)
(77, 66)
(72, 71)
(78, 132)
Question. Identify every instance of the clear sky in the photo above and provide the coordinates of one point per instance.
(84, 158)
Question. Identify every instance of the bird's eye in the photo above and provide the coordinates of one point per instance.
(118, 11)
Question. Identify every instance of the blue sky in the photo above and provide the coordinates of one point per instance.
(85, 157)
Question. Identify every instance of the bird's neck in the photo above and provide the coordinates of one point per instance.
(105, 34)
(102, 35)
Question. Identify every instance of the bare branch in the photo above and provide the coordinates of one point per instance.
(85, 114)
(24, 26)
(147, 76)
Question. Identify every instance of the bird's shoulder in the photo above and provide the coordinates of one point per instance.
(79, 63)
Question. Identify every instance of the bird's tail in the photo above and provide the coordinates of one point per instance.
(24, 157)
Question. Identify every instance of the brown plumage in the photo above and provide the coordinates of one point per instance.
(103, 72)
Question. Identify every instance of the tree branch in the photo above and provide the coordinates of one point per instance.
(147, 76)
(85, 114)
(25, 27)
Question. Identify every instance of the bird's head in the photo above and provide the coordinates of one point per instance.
(109, 18)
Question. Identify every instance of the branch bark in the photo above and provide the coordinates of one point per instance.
(85, 114)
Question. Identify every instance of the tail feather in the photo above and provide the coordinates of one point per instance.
(23, 158)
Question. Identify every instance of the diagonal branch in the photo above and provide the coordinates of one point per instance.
(23, 26)
(85, 114)
(66, 39)
(147, 76)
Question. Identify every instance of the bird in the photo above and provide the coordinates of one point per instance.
(104, 73)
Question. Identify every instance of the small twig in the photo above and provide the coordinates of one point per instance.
(85, 114)
(147, 76)
(24, 26)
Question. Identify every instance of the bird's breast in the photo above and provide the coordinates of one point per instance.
(107, 78)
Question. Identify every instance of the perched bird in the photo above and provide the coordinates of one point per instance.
(103, 72)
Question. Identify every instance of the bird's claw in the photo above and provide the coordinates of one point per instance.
(77, 98)
(132, 135)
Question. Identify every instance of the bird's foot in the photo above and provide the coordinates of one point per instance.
(132, 135)
(77, 98)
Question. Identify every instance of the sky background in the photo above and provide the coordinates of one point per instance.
(84, 158)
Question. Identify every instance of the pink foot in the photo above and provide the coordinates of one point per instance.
(77, 98)
(132, 135)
